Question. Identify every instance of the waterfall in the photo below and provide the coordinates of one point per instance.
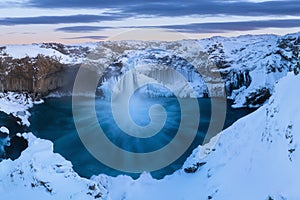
(142, 68)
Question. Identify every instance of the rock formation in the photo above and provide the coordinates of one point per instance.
(244, 68)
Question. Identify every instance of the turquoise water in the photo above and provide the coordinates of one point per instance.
(53, 120)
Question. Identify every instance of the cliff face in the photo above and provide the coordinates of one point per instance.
(33, 75)
(40, 68)
(37, 76)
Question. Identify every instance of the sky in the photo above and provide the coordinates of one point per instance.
(77, 21)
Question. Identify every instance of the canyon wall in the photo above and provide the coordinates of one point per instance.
(38, 76)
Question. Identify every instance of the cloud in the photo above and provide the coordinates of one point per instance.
(181, 8)
(217, 27)
(95, 4)
(219, 8)
(10, 21)
(13, 3)
(233, 26)
(80, 29)
(168, 8)
(93, 37)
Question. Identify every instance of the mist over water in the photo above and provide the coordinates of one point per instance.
(139, 111)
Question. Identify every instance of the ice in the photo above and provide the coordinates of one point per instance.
(177, 80)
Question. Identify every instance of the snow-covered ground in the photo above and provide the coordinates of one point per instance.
(18, 105)
(65, 54)
(258, 157)
(41, 174)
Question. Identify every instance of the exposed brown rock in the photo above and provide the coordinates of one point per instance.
(37, 76)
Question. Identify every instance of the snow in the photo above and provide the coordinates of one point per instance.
(256, 53)
(91, 45)
(266, 58)
(3, 129)
(41, 174)
(256, 158)
(18, 105)
(33, 50)
(4, 140)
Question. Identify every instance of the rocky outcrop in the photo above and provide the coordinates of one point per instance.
(37, 76)
(39, 69)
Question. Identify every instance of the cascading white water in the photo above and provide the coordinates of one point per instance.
(148, 69)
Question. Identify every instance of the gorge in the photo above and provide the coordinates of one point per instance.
(37, 81)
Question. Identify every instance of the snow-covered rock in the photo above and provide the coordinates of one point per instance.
(3, 129)
(66, 54)
(18, 105)
(41, 174)
(4, 140)
(251, 64)
(248, 66)
(245, 67)
(258, 157)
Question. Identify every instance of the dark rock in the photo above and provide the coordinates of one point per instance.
(292, 150)
(37, 76)
(258, 97)
(33, 75)
(92, 187)
(17, 145)
(98, 196)
(194, 168)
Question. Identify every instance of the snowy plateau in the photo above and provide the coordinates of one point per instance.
(257, 157)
